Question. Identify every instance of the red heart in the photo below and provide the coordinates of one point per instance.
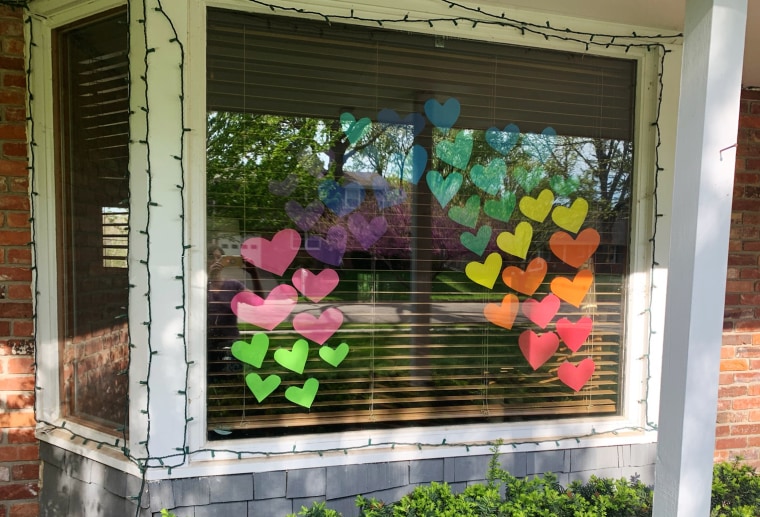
(274, 256)
(574, 334)
(541, 313)
(538, 349)
(576, 376)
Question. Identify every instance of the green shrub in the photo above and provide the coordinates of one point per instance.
(735, 490)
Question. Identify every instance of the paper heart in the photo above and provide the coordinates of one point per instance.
(503, 141)
(574, 252)
(284, 187)
(538, 349)
(537, 208)
(444, 189)
(294, 359)
(329, 250)
(468, 214)
(354, 129)
(564, 186)
(573, 291)
(457, 153)
(528, 281)
(265, 313)
(489, 179)
(414, 164)
(574, 334)
(262, 388)
(540, 146)
(303, 396)
(476, 243)
(304, 217)
(315, 287)
(576, 376)
(503, 314)
(252, 353)
(341, 200)
(541, 313)
(517, 243)
(571, 219)
(319, 329)
(442, 115)
(366, 232)
(413, 121)
(528, 179)
(484, 273)
(333, 357)
(274, 256)
(385, 195)
(501, 209)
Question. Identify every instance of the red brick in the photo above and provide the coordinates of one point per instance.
(20, 256)
(14, 46)
(19, 292)
(15, 273)
(25, 510)
(16, 383)
(727, 352)
(745, 429)
(20, 365)
(726, 378)
(732, 417)
(735, 442)
(13, 401)
(15, 310)
(15, 237)
(19, 491)
(722, 430)
(14, 131)
(14, 80)
(13, 167)
(21, 435)
(13, 114)
(732, 391)
(746, 403)
(740, 286)
(22, 328)
(19, 184)
(19, 452)
(25, 471)
(731, 365)
(11, 148)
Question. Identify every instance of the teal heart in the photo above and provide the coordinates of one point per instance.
(251, 353)
(563, 186)
(476, 243)
(262, 388)
(501, 209)
(528, 179)
(295, 359)
(335, 356)
(540, 146)
(303, 396)
(489, 179)
(466, 215)
(354, 129)
(444, 189)
(457, 153)
(503, 141)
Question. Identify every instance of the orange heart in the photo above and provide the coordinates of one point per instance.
(502, 315)
(525, 282)
(573, 291)
(574, 251)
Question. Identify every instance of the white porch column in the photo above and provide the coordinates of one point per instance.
(707, 123)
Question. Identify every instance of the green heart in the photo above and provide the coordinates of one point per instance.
(563, 186)
(477, 243)
(303, 396)
(333, 357)
(294, 360)
(456, 153)
(501, 209)
(466, 215)
(251, 353)
(354, 129)
(261, 389)
(444, 189)
(489, 179)
(528, 179)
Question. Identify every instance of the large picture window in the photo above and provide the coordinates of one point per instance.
(411, 230)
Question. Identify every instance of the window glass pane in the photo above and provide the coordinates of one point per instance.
(404, 234)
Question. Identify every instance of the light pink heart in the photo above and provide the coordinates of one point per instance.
(267, 312)
(574, 334)
(274, 256)
(541, 313)
(576, 376)
(318, 329)
(315, 287)
(538, 349)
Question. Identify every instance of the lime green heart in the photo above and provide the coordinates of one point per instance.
(501, 209)
(571, 219)
(468, 214)
(251, 353)
(354, 129)
(563, 186)
(476, 243)
(485, 273)
(295, 359)
(262, 388)
(303, 396)
(538, 208)
(456, 153)
(489, 179)
(528, 179)
(335, 356)
(517, 243)
(444, 189)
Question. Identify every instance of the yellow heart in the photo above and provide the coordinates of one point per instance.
(484, 274)
(537, 208)
(571, 219)
(517, 243)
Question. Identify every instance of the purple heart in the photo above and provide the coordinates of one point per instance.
(284, 187)
(341, 200)
(386, 196)
(367, 233)
(307, 217)
(329, 250)
(416, 120)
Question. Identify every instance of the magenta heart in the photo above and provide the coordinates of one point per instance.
(274, 256)
(318, 329)
(541, 313)
(538, 349)
(265, 313)
(304, 217)
(574, 334)
(329, 250)
(315, 287)
(367, 233)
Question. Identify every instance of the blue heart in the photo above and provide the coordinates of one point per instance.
(442, 116)
(503, 141)
(416, 161)
(341, 200)
(415, 120)
(540, 146)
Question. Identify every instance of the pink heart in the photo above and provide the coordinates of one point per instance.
(315, 287)
(318, 329)
(265, 313)
(576, 376)
(574, 334)
(541, 313)
(538, 349)
(274, 256)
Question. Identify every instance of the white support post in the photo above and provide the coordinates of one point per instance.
(708, 117)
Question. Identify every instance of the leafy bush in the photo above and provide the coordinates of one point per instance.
(735, 490)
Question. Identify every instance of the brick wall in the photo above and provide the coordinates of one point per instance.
(19, 452)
